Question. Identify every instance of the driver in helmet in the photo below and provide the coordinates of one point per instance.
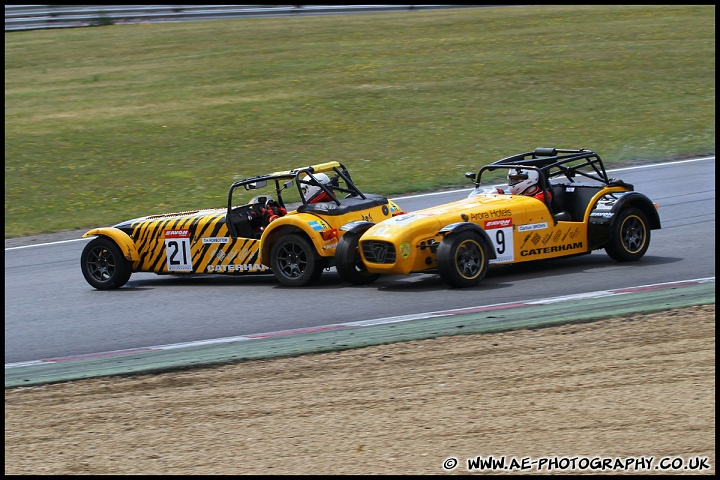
(314, 193)
(527, 182)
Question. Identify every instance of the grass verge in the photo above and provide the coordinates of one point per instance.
(114, 122)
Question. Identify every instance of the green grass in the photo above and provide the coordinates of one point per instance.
(109, 123)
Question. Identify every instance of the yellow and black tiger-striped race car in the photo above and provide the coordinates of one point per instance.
(281, 230)
(577, 209)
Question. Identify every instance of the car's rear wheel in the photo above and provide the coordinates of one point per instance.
(349, 263)
(103, 265)
(630, 237)
(295, 262)
(462, 259)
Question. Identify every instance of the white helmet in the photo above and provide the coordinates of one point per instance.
(522, 180)
(311, 192)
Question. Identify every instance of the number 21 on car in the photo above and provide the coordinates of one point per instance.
(177, 247)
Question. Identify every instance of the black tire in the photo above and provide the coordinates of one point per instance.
(462, 259)
(348, 261)
(630, 237)
(103, 265)
(294, 261)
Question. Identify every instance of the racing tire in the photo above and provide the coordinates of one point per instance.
(103, 265)
(349, 263)
(630, 236)
(462, 259)
(294, 261)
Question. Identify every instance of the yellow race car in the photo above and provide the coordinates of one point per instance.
(290, 228)
(577, 209)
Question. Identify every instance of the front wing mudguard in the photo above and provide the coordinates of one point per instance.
(462, 226)
(122, 239)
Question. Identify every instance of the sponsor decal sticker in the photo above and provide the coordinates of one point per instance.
(533, 226)
(485, 214)
(553, 249)
(535, 239)
(318, 225)
(185, 233)
(404, 249)
(527, 237)
(499, 223)
(566, 234)
(215, 240)
(238, 267)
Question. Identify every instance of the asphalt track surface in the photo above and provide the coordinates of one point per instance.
(58, 328)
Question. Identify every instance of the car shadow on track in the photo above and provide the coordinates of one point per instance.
(498, 276)
(504, 276)
(149, 281)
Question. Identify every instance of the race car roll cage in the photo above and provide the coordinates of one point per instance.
(554, 163)
(284, 180)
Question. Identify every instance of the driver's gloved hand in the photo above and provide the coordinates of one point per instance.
(273, 211)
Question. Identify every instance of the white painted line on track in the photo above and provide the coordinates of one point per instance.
(371, 322)
(654, 165)
(47, 244)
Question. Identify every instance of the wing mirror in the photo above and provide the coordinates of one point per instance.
(256, 185)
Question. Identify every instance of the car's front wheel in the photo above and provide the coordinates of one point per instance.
(103, 265)
(630, 237)
(462, 259)
(349, 263)
(294, 261)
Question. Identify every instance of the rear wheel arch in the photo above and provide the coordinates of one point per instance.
(649, 211)
(603, 223)
(295, 261)
(629, 235)
(273, 236)
(642, 203)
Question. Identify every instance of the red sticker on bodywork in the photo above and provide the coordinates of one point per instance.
(498, 223)
(177, 233)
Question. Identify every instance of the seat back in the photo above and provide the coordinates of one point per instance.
(577, 198)
(558, 199)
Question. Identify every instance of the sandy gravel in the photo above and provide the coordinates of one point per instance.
(642, 386)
